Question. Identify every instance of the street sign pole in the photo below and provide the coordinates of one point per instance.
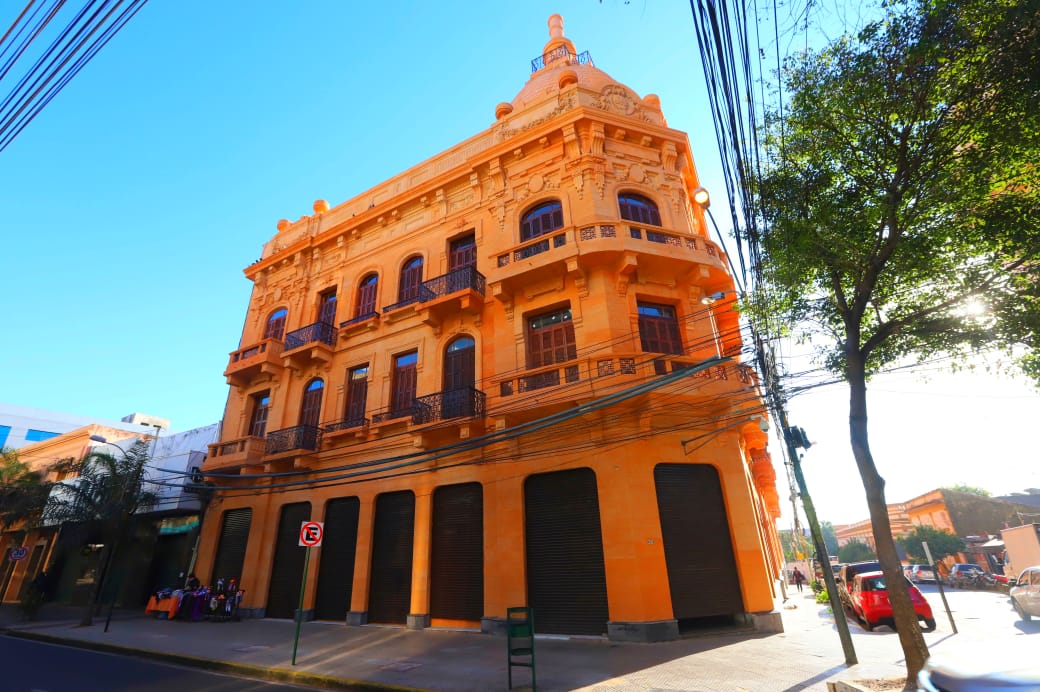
(299, 608)
(938, 582)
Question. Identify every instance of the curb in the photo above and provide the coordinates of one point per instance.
(325, 682)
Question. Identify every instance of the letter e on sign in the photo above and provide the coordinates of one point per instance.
(311, 533)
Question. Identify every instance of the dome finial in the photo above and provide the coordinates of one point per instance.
(555, 26)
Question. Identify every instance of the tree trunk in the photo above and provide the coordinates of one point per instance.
(95, 591)
(914, 648)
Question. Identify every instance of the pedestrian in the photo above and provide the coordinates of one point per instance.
(799, 579)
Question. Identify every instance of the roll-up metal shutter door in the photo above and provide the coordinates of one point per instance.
(698, 550)
(287, 571)
(566, 578)
(336, 566)
(457, 553)
(231, 550)
(390, 588)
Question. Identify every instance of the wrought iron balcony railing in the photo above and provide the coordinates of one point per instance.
(346, 424)
(446, 284)
(455, 280)
(318, 332)
(394, 414)
(359, 319)
(453, 403)
(561, 52)
(297, 437)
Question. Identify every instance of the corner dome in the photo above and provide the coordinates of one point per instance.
(560, 66)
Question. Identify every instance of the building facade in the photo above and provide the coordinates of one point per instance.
(164, 535)
(508, 376)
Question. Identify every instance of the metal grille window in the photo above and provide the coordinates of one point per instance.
(659, 329)
(550, 338)
(639, 209)
(544, 218)
(258, 416)
(411, 278)
(275, 327)
(403, 393)
(367, 295)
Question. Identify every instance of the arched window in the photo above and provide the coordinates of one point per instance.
(310, 409)
(275, 327)
(366, 302)
(639, 209)
(411, 278)
(542, 219)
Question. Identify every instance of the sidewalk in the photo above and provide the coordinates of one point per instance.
(331, 655)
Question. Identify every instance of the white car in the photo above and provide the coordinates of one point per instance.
(919, 573)
(1025, 592)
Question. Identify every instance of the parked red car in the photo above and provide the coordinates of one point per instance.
(869, 596)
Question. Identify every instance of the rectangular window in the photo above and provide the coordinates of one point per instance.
(39, 435)
(258, 416)
(550, 338)
(357, 393)
(659, 328)
(462, 253)
(403, 388)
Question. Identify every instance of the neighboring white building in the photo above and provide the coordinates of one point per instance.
(22, 425)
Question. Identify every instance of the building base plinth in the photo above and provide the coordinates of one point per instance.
(356, 618)
(769, 621)
(658, 631)
(308, 614)
(251, 613)
(493, 626)
(417, 622)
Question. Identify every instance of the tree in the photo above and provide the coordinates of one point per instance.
(899, 208)
(104, 494)
(941, 543)
(830, 539)
(23, 492)
(969, 489)
(856, 551)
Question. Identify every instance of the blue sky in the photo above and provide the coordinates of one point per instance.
(132, 203)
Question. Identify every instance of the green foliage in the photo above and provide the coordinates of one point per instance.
(941, 543)
(969, 489)
(817, 586)
(822, 597)
(23, 493)
(829, 537)
(856, 551)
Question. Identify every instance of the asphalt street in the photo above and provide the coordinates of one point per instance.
(29, 666)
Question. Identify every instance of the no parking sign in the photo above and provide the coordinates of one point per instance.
(311, 533)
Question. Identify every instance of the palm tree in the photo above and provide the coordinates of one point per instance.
(23, 492)
(104, 494)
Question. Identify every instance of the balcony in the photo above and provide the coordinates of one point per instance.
(656, 252)
(454, 403)
(347, 427)
(246, 364)
(234, 454)
(294, 439)
(362, 323)
(313, 343)
(460, 290)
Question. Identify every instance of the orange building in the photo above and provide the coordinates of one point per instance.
(507, 376)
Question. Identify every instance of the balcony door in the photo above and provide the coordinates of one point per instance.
(327, 307)
(357, 394)
(459, 377)
(403, 392)
(411, 279)
(310, 410)
(462, 253)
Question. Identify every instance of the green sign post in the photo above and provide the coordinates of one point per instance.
(311, 533)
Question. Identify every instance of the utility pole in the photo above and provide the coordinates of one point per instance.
(817, 535)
